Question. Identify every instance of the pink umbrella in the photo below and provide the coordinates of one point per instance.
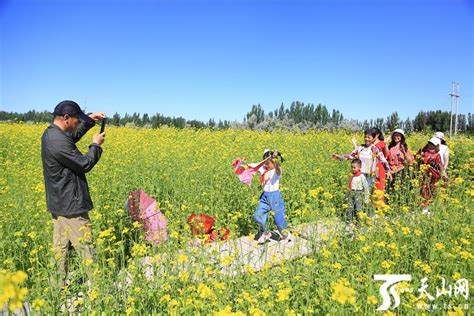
(144, 209)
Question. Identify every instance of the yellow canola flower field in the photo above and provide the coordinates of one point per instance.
(190, 171)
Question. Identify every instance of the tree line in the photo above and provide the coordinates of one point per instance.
(297, 117)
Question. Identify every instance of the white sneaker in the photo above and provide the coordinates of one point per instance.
(264, 237)
(287, 239)
(426, 211)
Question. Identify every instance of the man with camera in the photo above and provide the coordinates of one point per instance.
(67, 191)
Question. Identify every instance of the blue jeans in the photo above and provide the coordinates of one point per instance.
(271, 201)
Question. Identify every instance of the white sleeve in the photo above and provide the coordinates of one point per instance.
(446, 158)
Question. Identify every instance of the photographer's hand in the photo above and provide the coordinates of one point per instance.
(99, 139)
(96, 116)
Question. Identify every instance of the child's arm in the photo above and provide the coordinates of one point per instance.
(256, 166)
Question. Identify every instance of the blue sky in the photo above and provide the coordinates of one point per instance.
(203, 59)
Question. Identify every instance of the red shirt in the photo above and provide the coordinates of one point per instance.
(381, 145)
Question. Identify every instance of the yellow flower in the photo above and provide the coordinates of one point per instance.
(204, 291)
(426, 268)
(405, 230)
(392, 246)
(247, 297)
(308, 262)
(19, 277)
(182, 258)
(313, 193)
(218, 285)
(11, 292)
(88, 262)
(418, 232)
(227, 311)
(165, 298)
(456, 276)
(325, 252)
(106, 233)
(327, 195)
(402, 287)
(456, 311)
(33, 235)
(337, 266)
(266, 293)
(249, 269)
(208, 271)
(93, 294)
(138, 250)
(184, 276)
(464, 241)
(439, 246)
(470, 191)
(227, 260)
(173, 303)
(466, 255)
(256, 312)
(290, 312)
(78, 302)
(372, 300)
(386, 264)
(283, 295)
(342, 293)
(38, 303)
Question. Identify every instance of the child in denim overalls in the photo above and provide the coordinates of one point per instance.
(271, 199)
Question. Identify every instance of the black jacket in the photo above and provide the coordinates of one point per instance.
(65, 168)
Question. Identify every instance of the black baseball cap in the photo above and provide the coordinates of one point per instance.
(71, 108)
